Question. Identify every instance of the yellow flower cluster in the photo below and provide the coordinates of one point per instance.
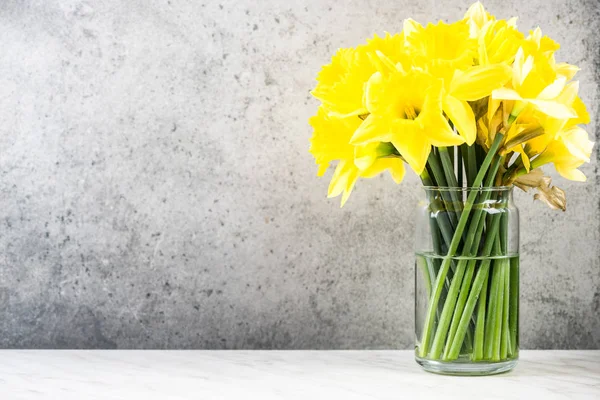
(390, 100)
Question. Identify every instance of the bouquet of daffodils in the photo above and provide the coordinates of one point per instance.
(474, 104)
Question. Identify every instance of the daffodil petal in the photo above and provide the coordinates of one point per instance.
(571, 174)
(553, 108)
(479, 81)
(372, 129)
(477, 17)
(410, 26)
(439, 133)
(569, 93)
(461, 115)
(527, 67)
(566, 70)
(525, 159)
(343, 180)
(554, 89)
(355, 113)
(322, 169)
(352, 176)
(583, 117)
(413, 146)
(524, 156)
(339, 179)
(493, 105)
(374, 89)
(364, 156)
(505, 94)
(385, 61)
(577, 142)
(394, 164)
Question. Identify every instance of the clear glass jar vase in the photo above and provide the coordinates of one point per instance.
(467, 281)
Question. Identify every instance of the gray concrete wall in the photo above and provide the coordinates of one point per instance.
(156, 188)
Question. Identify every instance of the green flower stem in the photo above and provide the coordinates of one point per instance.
(514, 306)
(517, 164)
(455, 307)
(435, 231)
(448, 167)
(504, 229)
(428, 181)
(460, 304)
(431, 270)
(480, 279)
(425, 271)
(491, 310)
(497, 333)
(465, 286)
(434, 226)
(493, 330)
(456, 239)
(470, 157)
(440, 178)
(469, 153)
(480, 324)
(459, 167)
(449, 305)
(443, 223)
(505, 333)
(504, 341)
(480, 153)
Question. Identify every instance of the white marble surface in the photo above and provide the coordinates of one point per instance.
(131, 375)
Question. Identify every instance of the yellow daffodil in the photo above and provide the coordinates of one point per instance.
(476, 18)
(439, 49)
(447, 51)
(498, 43)
(470, 85)
(374, 158)
(497, 40)
(331, 138)
(538, 44)
(533, 84)
(393, 98)
(405, 110)
(340, 83)
(554, 128)
(330, 142)
(567, 153)
(387, 52)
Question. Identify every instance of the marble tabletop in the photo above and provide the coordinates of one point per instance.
(131, 375)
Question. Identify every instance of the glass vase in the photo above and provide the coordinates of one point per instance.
(467, 281)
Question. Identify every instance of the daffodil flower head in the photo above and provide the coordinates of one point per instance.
(340, 83)
(568, 153)
(331, 138)
(440, 48)
(406, 110)
(535, 82)
(390, 100)
(476, 18)
(331, 142)
(498, 42)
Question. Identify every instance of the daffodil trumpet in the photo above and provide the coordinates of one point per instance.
(473, 107)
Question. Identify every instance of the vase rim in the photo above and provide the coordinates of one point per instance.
(468, 189)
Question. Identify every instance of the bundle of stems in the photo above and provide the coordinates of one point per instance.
(472, 308)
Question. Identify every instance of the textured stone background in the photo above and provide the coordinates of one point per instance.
(157, 191)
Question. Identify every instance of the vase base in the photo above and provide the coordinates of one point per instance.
(466, 368)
